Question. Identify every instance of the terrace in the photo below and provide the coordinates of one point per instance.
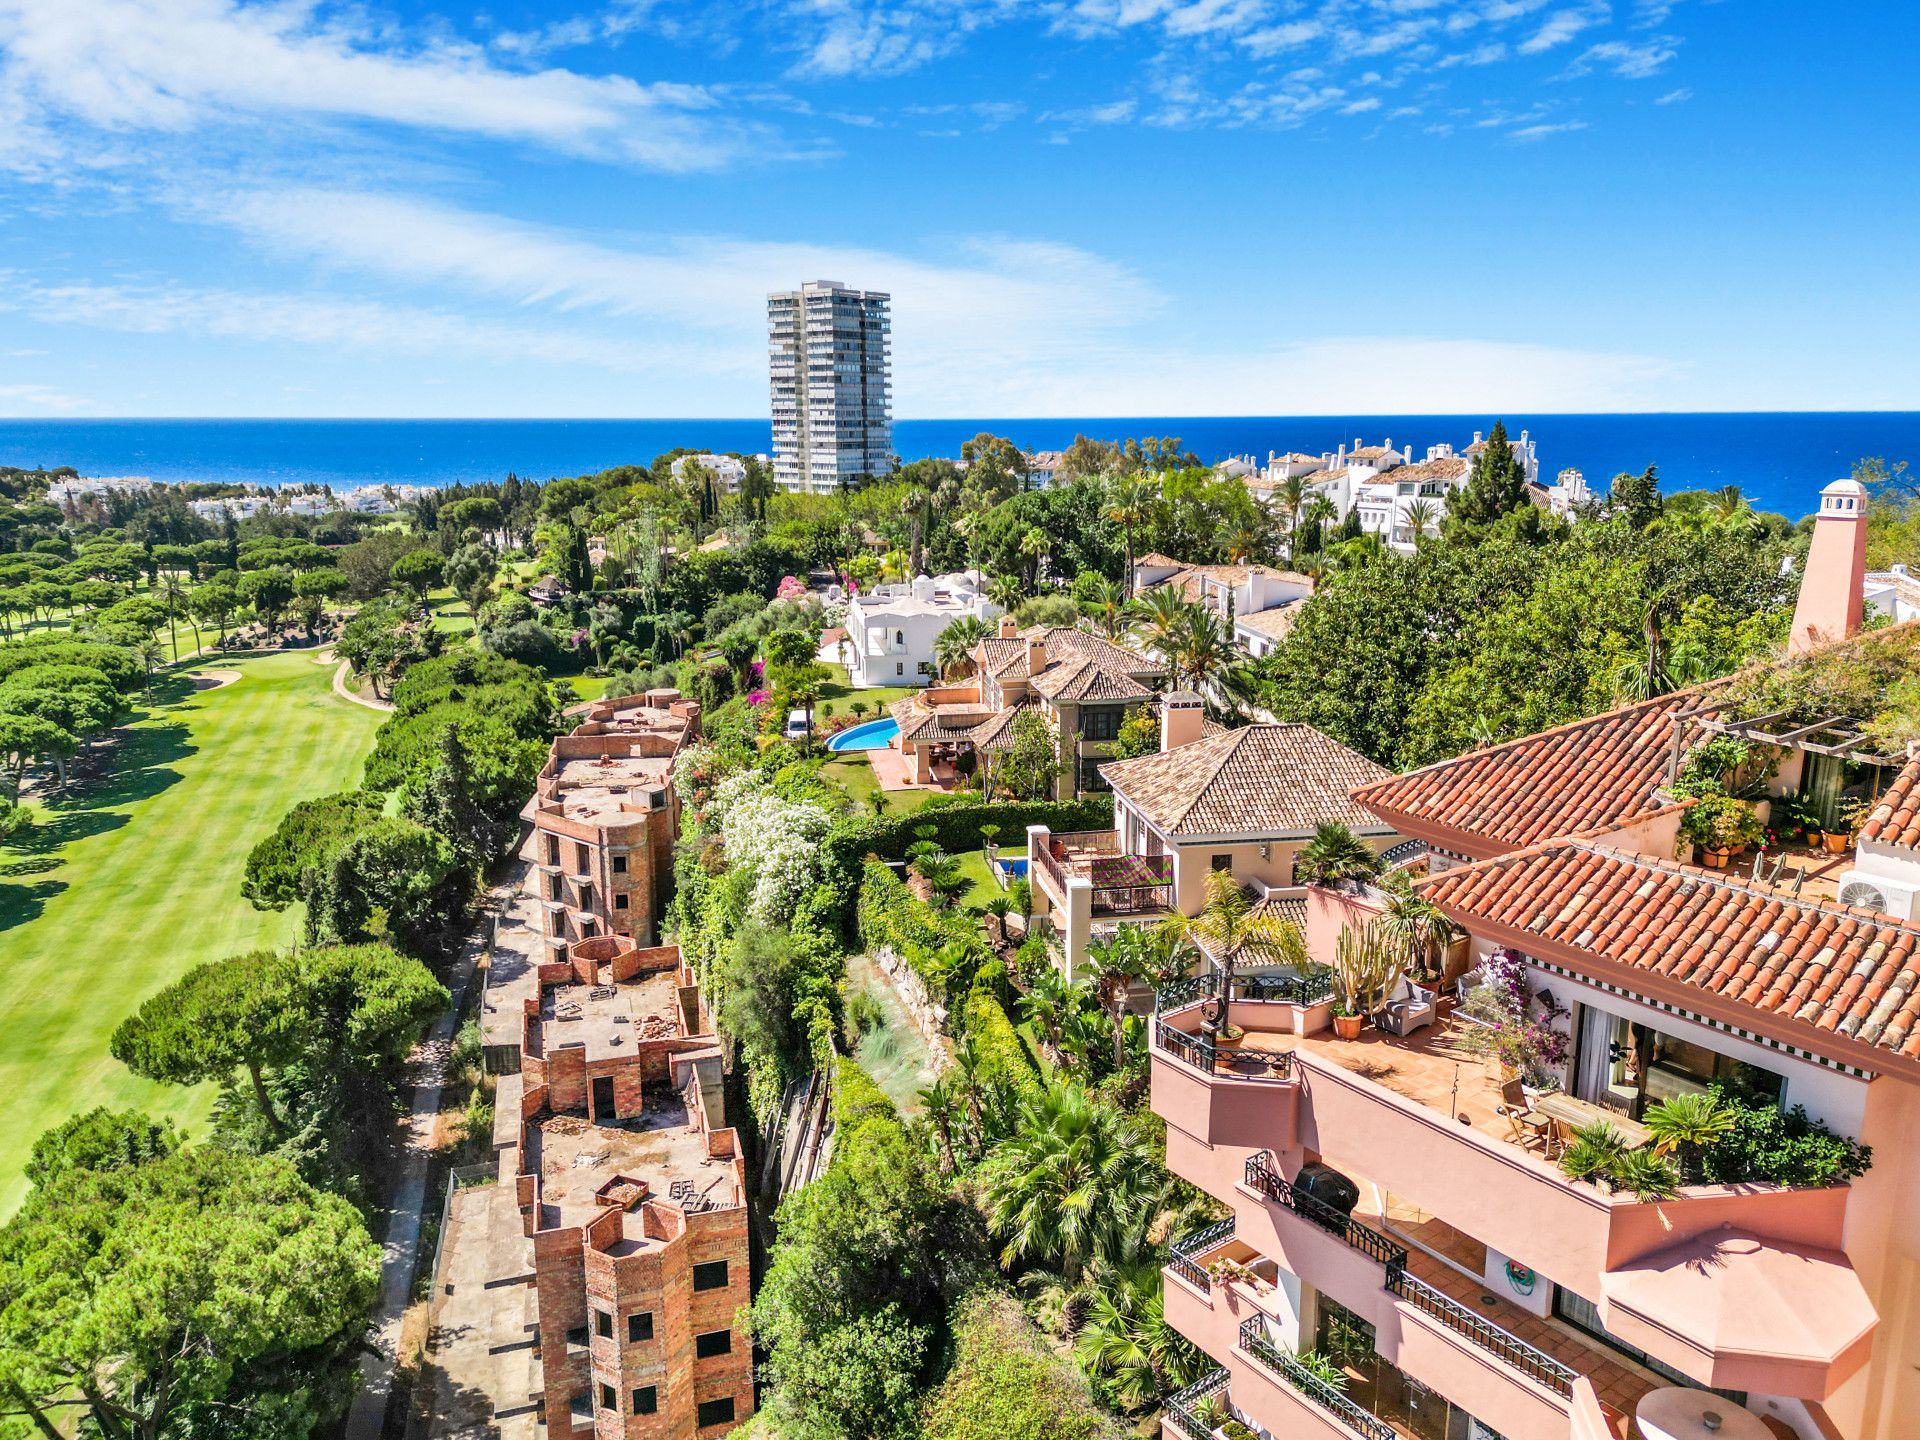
(1122, 884)
(574, 1158)
(1420, 1120)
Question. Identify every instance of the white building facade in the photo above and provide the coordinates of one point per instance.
(832, 416)
(891, 629)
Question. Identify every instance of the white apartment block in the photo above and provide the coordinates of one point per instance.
(832, 423)
(728, 470)
(62, 491)
(891, 629)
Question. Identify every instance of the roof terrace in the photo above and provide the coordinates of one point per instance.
(610, 1021)
(575, 1159)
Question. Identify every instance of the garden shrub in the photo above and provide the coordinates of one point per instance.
(1004, 1059)
(1006, 1384)
(1779, 1147)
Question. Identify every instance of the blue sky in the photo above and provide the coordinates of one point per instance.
(1081, 207)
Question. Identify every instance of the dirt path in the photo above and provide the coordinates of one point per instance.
(367, 1419)
(346, 692)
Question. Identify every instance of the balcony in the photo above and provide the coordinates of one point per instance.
(1423, 1319)
(1122, 884)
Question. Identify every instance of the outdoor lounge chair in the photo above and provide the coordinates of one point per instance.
(1410, 1007)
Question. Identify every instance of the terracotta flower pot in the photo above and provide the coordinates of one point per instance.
(1347, 1027)
(1835, 842)
(1715, 859)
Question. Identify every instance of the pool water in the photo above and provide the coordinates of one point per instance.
(873, 735)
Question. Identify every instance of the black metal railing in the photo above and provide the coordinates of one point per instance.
(1132, 899)
(1534, 1364)
(1182, 1405)
(1204, 1055)
(1262, 1177)
(1312, 988)
(1187, 1246)
(1253, 1340)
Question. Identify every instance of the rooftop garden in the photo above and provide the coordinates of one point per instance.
(1869, 692)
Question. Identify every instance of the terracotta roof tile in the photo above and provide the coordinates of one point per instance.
(996, 731)
(1275, 624)
(1260, 780)
(1597, 773)
(1822, 966)
(1442, 467)
(1081, 678)
(1896, 819)
(1065, 641)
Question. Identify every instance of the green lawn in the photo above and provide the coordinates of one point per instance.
(449, 612)
(838, 693)
(973, 865)
(856, 777)
(119, 889)
(587, 687)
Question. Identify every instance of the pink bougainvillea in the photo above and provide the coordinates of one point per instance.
(791, 588)
(759, 697)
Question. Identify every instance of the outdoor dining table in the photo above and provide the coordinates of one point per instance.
(1578, 1113)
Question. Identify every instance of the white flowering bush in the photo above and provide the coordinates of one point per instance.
(775, 842)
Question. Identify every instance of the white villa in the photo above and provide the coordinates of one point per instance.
(1260, 600)
(891, 629)
(728, 470)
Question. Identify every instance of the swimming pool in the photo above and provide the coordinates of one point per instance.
(874, 735)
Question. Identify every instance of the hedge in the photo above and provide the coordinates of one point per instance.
(891, 915)
(1003, 1057)
(956, 830)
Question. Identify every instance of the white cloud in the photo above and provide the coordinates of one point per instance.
(44, 398)
(1628, 61)
(179, 65)
(1361, 107)
(1675, 97)
(1562, 26)
(1541, 132)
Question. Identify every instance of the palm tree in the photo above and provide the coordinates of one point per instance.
(1048, 1003)
(1156, 617)
(171, 591)
(1422, 516)
(1202, 652)
(939, 1102)
(1412, 920)
(1033, 545)
(953, 646)
(1686, 1125)
(1121, 960)
(1318, 511)
(1291, 497)
(1335, 854)
(1125, 1339)
(1129, 501)
(1229, 929)
(1729, 509)
(1073, 1183)
(1107, 607)
(1005, 591)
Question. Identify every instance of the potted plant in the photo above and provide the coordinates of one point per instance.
(1850, 815)
(1346, 1020)
(1721, 826)
(1366, 968)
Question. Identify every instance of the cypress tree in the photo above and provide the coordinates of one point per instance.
(1495, 485)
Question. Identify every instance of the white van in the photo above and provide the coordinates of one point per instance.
(796, 725)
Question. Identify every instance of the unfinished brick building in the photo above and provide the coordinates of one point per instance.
(605, 817)
(631, 1187)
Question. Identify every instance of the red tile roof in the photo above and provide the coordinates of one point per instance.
(1261, 780)
(1813, 966)
(1595, 774)
(1896, 819)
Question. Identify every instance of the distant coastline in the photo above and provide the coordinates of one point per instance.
(1779, 459)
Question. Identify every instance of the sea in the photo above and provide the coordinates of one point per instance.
(1778, 459)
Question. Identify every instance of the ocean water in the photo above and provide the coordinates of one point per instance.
(1780, 460)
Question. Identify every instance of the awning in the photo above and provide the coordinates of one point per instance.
(1739, 1312)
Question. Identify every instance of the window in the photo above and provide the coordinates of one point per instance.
(619, 864)
(553, 850)
(900, 667)
(1098, 724)
(577, 1335)
(646, 1400)
(926, 667)
(609, 1397)
(603, 1324)
(715, 1412)
(1220, 863)
(710, 1276)
(639, 1326)
(899, 637)
(619, 902)
(714, 1342)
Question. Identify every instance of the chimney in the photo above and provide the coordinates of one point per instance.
(1831, 604)
(1008, 627)
(1476, 437)
(1037, 651)
(1181, 716)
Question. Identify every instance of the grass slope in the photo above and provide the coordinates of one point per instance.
(120, 889)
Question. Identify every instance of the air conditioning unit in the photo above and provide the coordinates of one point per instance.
(1899, 898)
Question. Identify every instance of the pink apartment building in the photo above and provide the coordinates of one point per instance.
(1395, 1206)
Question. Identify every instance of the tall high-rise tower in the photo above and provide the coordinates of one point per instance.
(832, 424)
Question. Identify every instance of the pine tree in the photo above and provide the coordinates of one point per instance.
(1637, 497)
(1495, 486)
